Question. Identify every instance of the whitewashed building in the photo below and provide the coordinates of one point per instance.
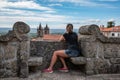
(111, 32)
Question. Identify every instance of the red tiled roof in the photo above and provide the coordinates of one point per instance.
(112, 29)
(54, 37)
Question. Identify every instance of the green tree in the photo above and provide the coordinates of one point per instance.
(110, 24)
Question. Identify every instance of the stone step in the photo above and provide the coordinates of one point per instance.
(35, 61)
(78, 60)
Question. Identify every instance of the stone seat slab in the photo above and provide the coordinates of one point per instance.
(35, 61)
(78, 60)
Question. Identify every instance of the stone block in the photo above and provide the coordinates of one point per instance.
(35, 61)
(115, 68)
(102, 65)
(89, 49)
(111, 51)
(115, 60)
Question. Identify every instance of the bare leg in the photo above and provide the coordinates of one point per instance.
(63, 62)
(56, 54)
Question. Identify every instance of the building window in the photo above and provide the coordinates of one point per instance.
(118, 34)
(113, 34)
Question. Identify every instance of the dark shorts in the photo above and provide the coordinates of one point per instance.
(72, 53)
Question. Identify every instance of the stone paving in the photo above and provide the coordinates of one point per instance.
(72, 75)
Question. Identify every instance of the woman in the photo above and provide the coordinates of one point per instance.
(72, 50)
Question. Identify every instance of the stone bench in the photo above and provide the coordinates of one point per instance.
(78, 60)
(35, 61)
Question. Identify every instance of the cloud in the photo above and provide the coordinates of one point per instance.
(22, 4)
(93, 20)
(55, 5)
(86, 3)
(37, 18)
(16, 12)
(111, 20)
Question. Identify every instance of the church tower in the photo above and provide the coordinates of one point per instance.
(46, 30)
(40, 31)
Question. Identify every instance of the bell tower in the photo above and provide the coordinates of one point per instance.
(46, 30)
(40, 31)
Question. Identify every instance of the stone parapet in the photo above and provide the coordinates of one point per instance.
(102, 53)
(14, 51)
(18, 54)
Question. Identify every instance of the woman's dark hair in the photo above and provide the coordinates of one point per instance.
(69, 25)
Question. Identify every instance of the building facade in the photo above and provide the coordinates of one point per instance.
(111, 32)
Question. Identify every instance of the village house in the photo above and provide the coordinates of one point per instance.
(110, 32)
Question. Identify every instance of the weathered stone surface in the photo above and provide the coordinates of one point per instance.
(87, 50)
(35, 61)
(115, 68)
(14, 51)
(21, 29)
(8, 37)
(111, 51)
(78, 60)
(45, 49)
(102, 65)
(89, 68)
(115, 60)
(104, 50)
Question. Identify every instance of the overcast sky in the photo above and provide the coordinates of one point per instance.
(57, 13)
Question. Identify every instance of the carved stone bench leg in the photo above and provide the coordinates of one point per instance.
(89, 66)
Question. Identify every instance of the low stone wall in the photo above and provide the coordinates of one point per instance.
(45, 49)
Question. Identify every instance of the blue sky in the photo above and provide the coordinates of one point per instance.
(57, 13)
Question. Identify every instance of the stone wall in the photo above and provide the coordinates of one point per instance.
(45, 49)
(14, 51)
(102, 53)
(8, 59)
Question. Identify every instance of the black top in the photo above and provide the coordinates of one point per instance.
(71, 40)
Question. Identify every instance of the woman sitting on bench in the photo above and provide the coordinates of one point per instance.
(72, 50)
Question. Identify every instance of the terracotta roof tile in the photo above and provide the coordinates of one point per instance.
(53, 37)
(112, 29)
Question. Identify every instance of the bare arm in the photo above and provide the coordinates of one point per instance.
(62, 38)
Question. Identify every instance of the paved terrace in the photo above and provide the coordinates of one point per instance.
(71, 75)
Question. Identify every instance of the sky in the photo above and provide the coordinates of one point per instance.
(58, 13)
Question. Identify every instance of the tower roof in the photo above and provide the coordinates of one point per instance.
(46, 28)
(40, 27)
